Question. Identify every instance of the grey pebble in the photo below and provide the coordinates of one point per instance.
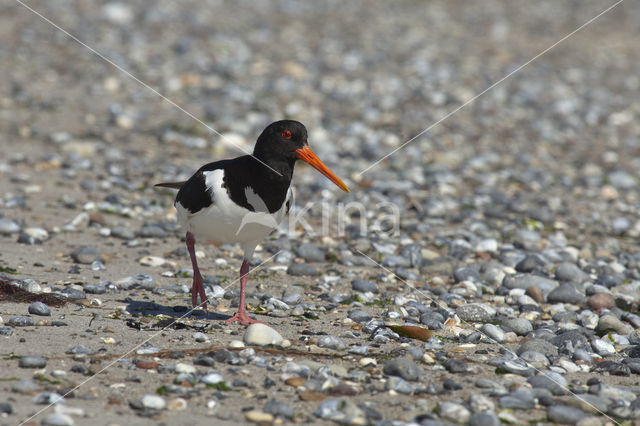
(570, 272)
(475, 312)
(530, 263)
(199, 337)
(566, 293)
(310, 253)
(24, 386)
(570, 341)
(455, 366)
(298, 269)
(39, 308)
(79, 349)
(564, 414)
(359, 316)
(465, 273)
(292, 298)
(95, 289)
(24, 238)
(152, 231)
(21, 321)
(143, 281)
(32, 361)
(331, 342)
(551, 381)
(413, 253)
(5, 408)
(538, 345)
(484, 419)
(520, 326)
(519, 368)
(73, 293)
(494, 332)
(86, 254)
(48, 398)
(402, 367)
(122, 233)
(525, 281)
(536, 359)
(364, 286)
(519, 400)
(8, 227)
(398, 384)
(279, 409)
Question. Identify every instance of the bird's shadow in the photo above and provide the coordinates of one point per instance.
(145, 308)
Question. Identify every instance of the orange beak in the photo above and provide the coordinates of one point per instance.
(305, 154)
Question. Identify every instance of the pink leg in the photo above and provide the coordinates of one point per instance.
(198, 284)
(242, 316)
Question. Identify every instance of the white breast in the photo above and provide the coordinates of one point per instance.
(226, 222)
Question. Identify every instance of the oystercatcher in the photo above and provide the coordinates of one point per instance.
(242, 200)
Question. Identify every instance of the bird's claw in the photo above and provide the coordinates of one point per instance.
(243, 319)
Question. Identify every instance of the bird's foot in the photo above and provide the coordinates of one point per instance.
(243, 319)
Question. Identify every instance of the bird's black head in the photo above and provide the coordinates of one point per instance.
(280, 140)
(283, 142)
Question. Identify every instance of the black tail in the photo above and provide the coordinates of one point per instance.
(174, 185)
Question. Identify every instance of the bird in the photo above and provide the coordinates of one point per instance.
(242, 200)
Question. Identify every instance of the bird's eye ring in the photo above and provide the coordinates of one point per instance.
(286, 134)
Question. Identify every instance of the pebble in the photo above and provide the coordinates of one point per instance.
(299, 269)
(566, 293)
(520, 326)
(86, 254)
(475, 312)
(480, 403)
(57, 420)
(364, 286)
(212, 379)
(310, 253)
(79, 349)
(177, 404)
(21, 321)
(32, 361)
(601, 301)
(6, 408)
(261, 335)
(122, 233)
(342, 411)
(483, 419)
(535, 293)
(564, 414)
(494, 332)
(258, 416)
(402, 367)
(570, 272)
(456, 413)
(24, 386)
(611, 322)
(154, 402)
(279, 409)
(331, 342)
(39, 308)
(359, 316)
(199, 337)
(8, 227)
(551, 381)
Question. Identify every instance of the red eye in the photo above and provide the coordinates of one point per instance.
(286, 134)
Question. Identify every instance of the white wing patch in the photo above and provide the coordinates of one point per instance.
(260, 215)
